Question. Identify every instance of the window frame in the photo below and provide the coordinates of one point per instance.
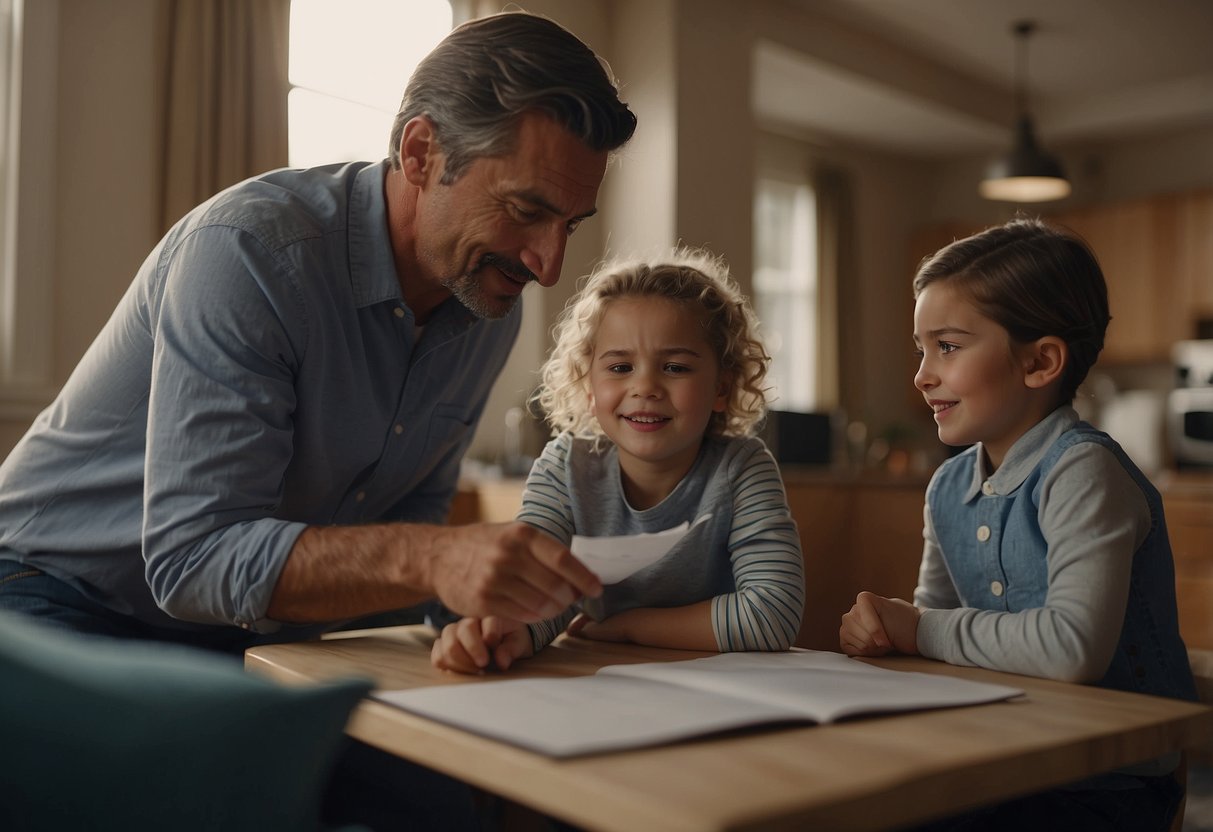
(802, 256)
(460, 11)
(28, 183)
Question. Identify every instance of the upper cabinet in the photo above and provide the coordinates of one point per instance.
(1157, 256)
(1194, 253)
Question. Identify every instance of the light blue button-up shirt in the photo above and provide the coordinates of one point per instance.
(262, 373)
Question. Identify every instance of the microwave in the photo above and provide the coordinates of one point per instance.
(1190, 426)
(1193, 363)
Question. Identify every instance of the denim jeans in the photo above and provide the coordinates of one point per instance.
(54, 603)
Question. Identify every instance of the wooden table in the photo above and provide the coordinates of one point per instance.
(872, 773)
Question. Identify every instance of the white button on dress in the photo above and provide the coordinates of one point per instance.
(996, 588)
(983, 533)
(987, 488)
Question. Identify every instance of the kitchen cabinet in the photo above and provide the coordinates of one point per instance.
(1188, 505)
(1157, 257)
(1128, 239)
(856, 532)
(1194, 252)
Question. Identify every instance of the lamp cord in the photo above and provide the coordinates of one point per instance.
(1022, 30)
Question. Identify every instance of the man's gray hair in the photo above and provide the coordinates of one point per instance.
(476, 84)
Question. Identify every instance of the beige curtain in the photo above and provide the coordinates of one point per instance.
(223, 97)
(832, 191)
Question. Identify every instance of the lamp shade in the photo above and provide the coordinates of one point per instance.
(1027, 173)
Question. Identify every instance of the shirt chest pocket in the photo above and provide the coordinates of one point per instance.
(1025, 565)
(448, 425)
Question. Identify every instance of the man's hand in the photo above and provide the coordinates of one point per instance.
(468, 645)
(875, 625)
(508, 570)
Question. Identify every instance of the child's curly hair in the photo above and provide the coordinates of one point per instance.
(692, 276)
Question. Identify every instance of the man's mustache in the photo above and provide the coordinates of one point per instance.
(515, 270)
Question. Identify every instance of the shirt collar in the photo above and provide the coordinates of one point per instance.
(372, 265)
(1024, 455)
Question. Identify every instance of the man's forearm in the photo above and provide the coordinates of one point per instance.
(505, 569)
(339, 572)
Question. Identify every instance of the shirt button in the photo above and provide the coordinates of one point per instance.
(399, 429)
(996, 588)
(360, 496)
(983, 533)
(987, 488)
(398, 312)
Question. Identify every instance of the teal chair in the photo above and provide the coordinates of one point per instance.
(98, 734)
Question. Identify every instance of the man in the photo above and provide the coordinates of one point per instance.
(263, 438)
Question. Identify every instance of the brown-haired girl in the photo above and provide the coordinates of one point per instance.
(1046, 548)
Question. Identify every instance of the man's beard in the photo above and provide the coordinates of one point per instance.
(469, 289)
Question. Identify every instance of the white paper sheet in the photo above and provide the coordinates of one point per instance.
(614, 558)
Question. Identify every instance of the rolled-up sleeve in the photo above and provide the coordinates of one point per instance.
(229, 328)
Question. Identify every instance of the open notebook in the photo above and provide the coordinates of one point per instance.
(634, 705)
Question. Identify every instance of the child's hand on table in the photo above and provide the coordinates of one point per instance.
(877, 625)
(609, 629)
(472, 645)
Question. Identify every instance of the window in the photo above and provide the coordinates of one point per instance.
(28, 79)
(9, 77)
(785, 289)
(349, 63)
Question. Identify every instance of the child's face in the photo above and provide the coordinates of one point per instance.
(971, 374)
(654, 382)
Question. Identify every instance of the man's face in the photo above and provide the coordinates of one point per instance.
(507, 219)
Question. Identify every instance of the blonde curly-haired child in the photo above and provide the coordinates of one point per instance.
(653, 391)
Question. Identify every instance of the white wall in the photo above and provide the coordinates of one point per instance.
(103, 217)
(105, 204)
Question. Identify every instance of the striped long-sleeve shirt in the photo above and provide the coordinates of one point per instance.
(745, 557)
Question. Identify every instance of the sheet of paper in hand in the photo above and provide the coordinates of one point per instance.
(614, 558)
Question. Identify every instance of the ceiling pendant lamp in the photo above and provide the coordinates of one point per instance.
(1026, 173)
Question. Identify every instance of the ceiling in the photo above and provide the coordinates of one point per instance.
(936, 77)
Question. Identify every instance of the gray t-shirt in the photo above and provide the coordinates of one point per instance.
(745, 557)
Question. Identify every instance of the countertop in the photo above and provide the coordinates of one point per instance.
(1196, 484)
